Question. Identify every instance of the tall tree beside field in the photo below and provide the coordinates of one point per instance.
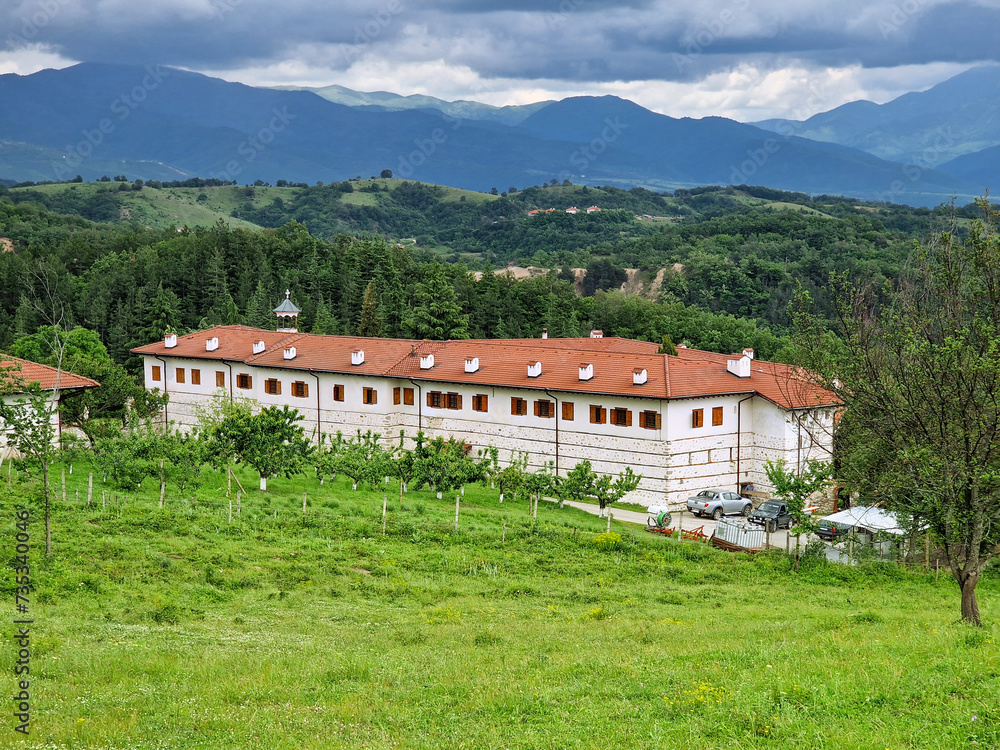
(919, 374)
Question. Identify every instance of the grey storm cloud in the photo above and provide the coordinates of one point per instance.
(572, 40)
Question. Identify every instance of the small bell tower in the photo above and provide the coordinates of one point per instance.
(288, 315)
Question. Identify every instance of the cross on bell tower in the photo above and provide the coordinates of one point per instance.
(288, 315)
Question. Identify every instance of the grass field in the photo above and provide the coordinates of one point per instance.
(175, 628)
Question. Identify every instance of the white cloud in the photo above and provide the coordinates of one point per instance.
(32, 58)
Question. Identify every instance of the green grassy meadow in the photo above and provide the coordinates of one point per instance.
(175, 628)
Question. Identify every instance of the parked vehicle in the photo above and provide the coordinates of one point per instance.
(717, 503)
(772, 515)
(832, 531)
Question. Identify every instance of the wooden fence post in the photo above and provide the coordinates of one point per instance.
(385, 506)
(239, 514)
(304, 504)
(457, 499)
(90, 488)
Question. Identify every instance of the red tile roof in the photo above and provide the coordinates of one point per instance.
(504, 363)
(49, 378)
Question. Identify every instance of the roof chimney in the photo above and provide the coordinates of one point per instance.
(358, 357)
(170, 340)
(212, 344)
(534, 369)
(639, 377)
(472, 365)
(748, 353)
(545, 333)
(258, 347)
(586, 371)
(740, 367)
(597, 334)
(290, 352)
(426, 361)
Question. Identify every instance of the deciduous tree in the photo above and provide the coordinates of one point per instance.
(919, 375)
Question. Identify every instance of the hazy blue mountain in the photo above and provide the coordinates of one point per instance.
(928, 128)
(981, 167)
(389, 102)
(160, 119)
(715, 150)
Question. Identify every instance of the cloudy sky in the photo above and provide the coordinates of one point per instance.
(745, 59)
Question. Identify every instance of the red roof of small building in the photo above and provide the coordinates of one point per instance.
(504, 363)
(49, 378)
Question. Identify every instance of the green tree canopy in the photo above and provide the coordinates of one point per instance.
(919, 375)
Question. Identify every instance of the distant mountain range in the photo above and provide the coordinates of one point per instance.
(161, 123)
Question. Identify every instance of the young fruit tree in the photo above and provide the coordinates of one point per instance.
(583, 482)
(272, 442)
(919, 376)
(26, 424)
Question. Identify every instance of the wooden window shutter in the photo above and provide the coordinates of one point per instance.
(220, 379)
(430, 398)
(195, 377)
(156, 373)
(642, 419)
(628, 417)
(408, 396)
(716, 416)
(658, 421)
(538, 408)
(277, 388)
(459, 401)
(397, 395)
(567, 411)
(305, 389)
(374, 396)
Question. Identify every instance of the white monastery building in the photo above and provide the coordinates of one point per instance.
(684, 422)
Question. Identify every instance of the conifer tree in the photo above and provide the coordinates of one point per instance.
(371, 316)
(436, 313)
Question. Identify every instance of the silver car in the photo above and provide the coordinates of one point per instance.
(717, 503)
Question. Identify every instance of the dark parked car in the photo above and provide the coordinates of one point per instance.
(772, 515)
(832, 531)
(717, 503)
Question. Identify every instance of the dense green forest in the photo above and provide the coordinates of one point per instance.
(718, 265)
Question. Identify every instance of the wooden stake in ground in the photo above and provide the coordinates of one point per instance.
(610, 516)
(457, 499)
(230, 510)
(103, 502)
(64, 484)
(503, 534)
(385, 506)
(90, 488)
(304, 504)
(163, 484)
(77, 495)
(238, 513)
(927, 550)
(787, 540)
